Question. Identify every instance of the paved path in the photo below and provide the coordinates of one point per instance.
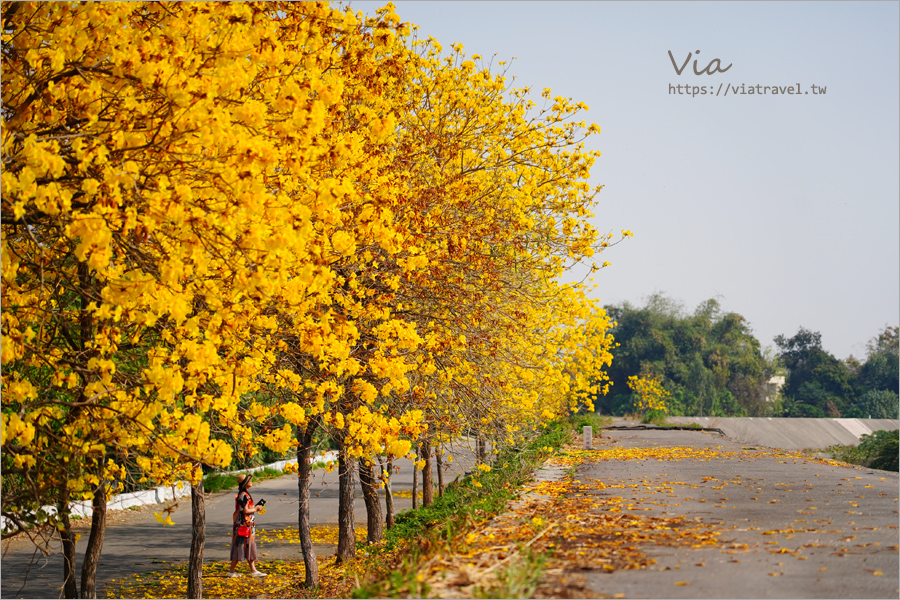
(135, 542)
(837, 526)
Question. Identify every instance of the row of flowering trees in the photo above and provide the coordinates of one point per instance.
(232, 225)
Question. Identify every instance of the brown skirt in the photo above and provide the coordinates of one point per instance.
(243, 548)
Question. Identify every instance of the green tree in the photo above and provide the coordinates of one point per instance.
(709, 360)
(820, 385)
(879, 404)
(881, 371)
(815, 377)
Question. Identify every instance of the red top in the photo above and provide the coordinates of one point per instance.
(243, 500)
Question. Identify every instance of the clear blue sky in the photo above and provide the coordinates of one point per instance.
(785, 207)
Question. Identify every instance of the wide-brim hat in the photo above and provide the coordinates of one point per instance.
(242, 479)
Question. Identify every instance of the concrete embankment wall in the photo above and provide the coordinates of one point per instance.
(792, 434)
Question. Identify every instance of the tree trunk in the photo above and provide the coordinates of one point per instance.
(427, 475)
(95, 543)
(374, 516)
(303, 472)
(388, 493)
(70, 584)
(86, 335)
(415, 491)
(346, 549)
(198, 537)
(440, 471)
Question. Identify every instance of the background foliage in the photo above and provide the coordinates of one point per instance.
(713, 365)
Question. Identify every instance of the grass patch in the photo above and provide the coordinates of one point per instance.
(220, 482)
(519, 580)
(416, 535)
(590, 420)
(654, 417)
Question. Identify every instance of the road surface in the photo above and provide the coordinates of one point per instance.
(791, 528)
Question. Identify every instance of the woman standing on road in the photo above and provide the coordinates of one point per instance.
(243, 536)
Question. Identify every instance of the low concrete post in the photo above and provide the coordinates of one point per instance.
(588, 437)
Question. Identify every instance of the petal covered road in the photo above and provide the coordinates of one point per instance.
(689, 514)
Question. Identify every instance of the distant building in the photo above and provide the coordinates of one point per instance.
(773, 387)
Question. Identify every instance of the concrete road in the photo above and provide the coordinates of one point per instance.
(135, 542)
(836, 527)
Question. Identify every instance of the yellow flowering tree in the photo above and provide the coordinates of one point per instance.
(232, 224)
(168, 180)
(496, 203)
(650, 394)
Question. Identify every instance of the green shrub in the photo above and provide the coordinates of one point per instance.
(655, 417)
(877, 451)
(589, 420)
(887, 459)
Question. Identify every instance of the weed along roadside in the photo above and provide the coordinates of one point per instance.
(420, 540)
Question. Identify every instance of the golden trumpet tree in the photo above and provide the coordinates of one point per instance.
(229, 224)
(496, 203)
(649, 393)
(168, 197)
(459, 317)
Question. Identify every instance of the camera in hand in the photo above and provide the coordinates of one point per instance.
(261, 503)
